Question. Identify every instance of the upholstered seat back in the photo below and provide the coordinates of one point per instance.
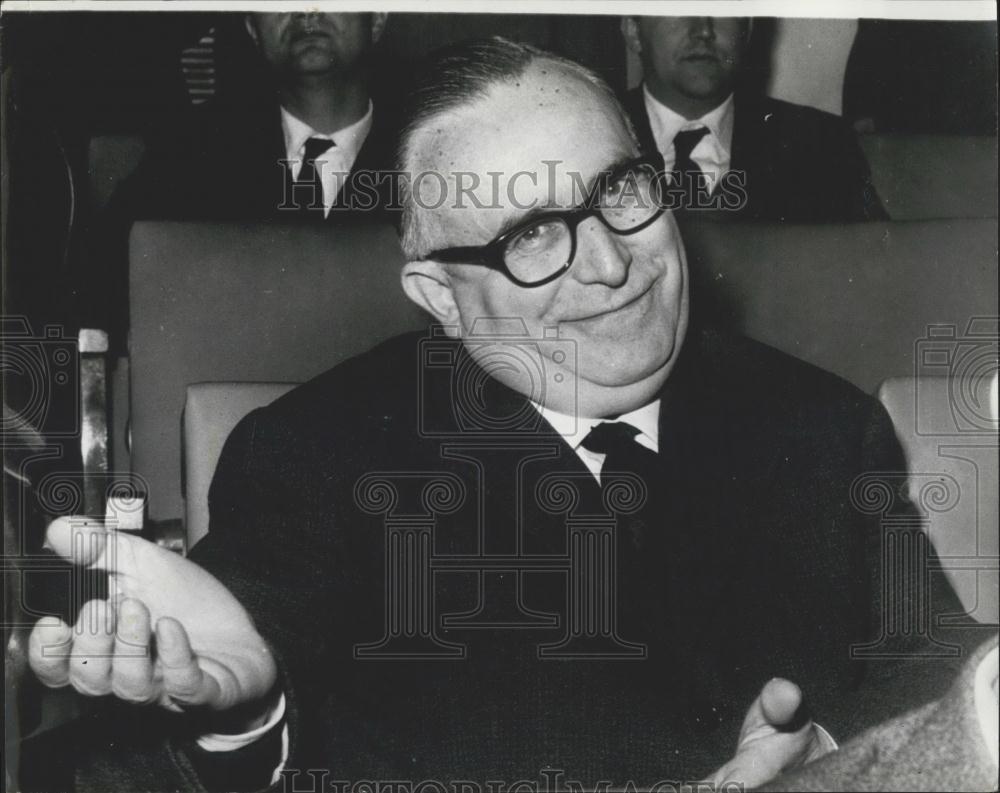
(921, 177)
(857, 299)
(254, 302)
(948, 429)
(211, 411)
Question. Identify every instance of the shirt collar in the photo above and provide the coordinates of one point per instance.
(349, 139)
(666, 123)
(575, 428)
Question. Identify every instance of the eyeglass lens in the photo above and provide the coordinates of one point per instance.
(543, 248)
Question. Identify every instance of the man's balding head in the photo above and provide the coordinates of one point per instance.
(529, 134)
(453, 82)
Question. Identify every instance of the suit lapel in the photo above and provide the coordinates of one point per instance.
(752, 154)
(267, 176)
(748, 131)
(635, 106)
(375, 157)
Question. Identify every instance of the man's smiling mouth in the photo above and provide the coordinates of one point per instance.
(616, 309)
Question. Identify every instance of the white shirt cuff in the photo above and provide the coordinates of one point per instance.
(825, 743)
(218, 742)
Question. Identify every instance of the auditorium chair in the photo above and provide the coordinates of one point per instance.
(212, 303)
(856, 299)
(947, 427)
(211, 412)
(245, 302)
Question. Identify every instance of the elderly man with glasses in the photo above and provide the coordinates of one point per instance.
(564, 537)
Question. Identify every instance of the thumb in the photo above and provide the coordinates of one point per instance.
(774, 737)
(780, 701)
(88, 543)
(77, 539)
(775, 710)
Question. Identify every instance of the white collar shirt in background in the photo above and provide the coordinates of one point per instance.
(713, 152)
(335, 163)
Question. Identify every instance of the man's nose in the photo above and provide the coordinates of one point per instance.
(701, 28)
(602, 257)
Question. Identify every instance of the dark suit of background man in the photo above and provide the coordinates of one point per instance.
(741, 557)
(800, 164)
(280, 151)
(232, 160)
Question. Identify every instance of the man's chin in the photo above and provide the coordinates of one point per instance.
(706, 80)
(614, 368)
(314, 60)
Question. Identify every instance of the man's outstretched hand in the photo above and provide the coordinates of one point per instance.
(169, 634)
(773, 739)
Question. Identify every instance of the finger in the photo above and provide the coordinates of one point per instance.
(132, 666)
(130, 562)
(780, 701)
(184, 682)
(79, 540)
(49, 647)
(93, 642)
(761, 761)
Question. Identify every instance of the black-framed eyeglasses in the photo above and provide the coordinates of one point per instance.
(626, 200)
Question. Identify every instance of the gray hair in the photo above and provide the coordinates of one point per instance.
(455, 77)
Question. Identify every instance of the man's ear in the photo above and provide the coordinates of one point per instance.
(630, 32)
(378, 26)
(251, 27)
(428, 285)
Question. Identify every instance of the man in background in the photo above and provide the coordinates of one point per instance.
(285, 150)
(755, 156)
(284, 153)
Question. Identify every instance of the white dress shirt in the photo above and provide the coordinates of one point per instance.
(713, 152)
(575, 428)
(335, 163)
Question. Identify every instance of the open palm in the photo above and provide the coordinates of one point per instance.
(170, 633)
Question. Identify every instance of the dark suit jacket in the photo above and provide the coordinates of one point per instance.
(753, 563)
(800, 164)
(223, 163)
(226, 163)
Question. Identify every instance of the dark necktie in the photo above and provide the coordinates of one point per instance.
(617, 440)
(308, 187)
(684, 143)
(639, 566)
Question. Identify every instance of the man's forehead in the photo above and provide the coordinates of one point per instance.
(540, 115)
(532, 142)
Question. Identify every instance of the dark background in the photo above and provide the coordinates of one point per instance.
(114, 72)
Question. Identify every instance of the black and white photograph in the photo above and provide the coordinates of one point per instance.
(500, 396)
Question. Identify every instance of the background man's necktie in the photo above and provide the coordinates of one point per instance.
(685, 142)
(308, 187)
